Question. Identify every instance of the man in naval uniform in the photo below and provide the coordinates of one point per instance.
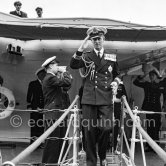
(18, 12)
(151, 102)
(100, 73)
(35, 101)
(56, 80)
(163, 87)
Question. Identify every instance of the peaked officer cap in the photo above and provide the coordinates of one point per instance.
(39, 8)
(96, 31)
(17, 3)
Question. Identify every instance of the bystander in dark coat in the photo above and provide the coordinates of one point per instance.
(18, 12)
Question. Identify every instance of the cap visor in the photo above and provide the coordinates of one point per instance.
(95, 36)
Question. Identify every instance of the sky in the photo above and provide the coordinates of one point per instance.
(146, 12)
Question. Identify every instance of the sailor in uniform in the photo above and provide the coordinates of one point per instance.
(151, 102)
(54, 82)
(100, 70)
(163, 87)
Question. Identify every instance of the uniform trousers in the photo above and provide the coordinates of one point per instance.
(117, 114)
(53, 146)
(153, 122)
(37, 128)
(97, 123)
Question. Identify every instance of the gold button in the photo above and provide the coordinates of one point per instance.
(95, 86)
(95, 81)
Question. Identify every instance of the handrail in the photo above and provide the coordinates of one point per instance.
(35, 144)
(161, 153)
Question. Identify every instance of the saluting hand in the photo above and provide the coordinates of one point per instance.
(84, 45)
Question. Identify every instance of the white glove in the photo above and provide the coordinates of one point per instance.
(114, 86)
(84, 44)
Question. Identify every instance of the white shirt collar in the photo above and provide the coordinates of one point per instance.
(101, 51)
(18, 12)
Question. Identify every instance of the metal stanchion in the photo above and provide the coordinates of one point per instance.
(75, 150)
(161, 153)
(0, 158)
(133, 137)
(121, 131)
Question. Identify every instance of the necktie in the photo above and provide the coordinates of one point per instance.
(19, 13)
(99, 54)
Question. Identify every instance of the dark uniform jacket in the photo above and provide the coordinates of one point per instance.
(35, 95)
(163, 87)
(65, 97)
(22, 14)
(152, 94)
(97, 88)
(53, 91)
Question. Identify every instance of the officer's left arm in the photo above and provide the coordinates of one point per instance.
(124, 92)
(116, 71)
(116, 75)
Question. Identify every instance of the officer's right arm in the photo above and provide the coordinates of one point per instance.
(77, 61)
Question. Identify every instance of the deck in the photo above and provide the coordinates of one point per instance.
(10, 152)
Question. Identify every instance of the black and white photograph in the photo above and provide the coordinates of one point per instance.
(83, 83)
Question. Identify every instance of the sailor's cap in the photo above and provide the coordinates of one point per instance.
(96, 31)
(17, 3)
(40, 70)
(49, 60)
(39, 8)
(156, 72)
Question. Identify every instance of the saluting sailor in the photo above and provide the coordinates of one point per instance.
(100, 73)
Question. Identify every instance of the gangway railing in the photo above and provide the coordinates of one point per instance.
(36, 143)
(131, 150)
(142, 133)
